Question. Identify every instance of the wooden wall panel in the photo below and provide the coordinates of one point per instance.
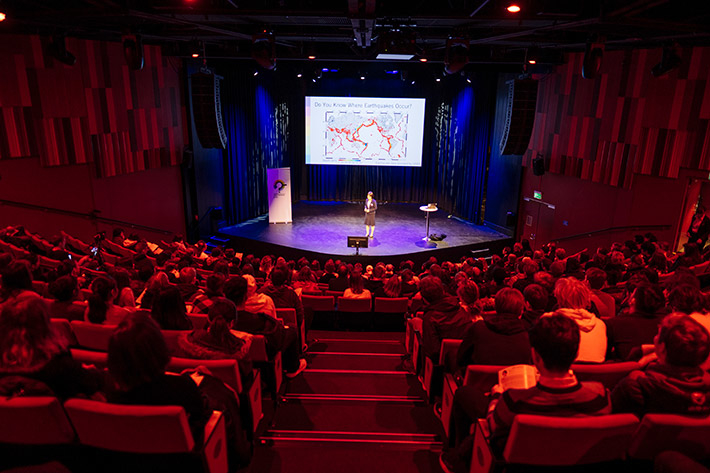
(95, 111)
(625, 121)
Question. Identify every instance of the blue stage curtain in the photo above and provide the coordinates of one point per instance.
(264, 118)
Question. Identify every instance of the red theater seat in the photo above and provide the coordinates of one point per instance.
(658, 432)
(92, 336)
(34, 420)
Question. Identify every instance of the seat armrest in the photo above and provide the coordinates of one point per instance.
(483, 459)
(215, 445)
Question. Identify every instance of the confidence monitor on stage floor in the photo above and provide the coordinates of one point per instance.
(364, 131)
(357, 242)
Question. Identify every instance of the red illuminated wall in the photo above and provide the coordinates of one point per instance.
(625, 121)
(95, 111)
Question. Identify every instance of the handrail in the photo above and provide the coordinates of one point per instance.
(91, 216)
(612, 230)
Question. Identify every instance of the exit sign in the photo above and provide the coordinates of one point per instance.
(537, 195)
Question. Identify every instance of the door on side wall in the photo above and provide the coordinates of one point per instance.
(697, 193)
(538, 217)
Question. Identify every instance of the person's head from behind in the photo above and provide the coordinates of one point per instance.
(305, 275)
(432, 290)
(27, 339)
(510, 302)
(572, 294)
(357, 283)
(468, 293)
(137, 353)
(499, 275)
(168, 307)
(222, 316)
(682, 342)
(342, 271)
(685, 298)
(648, 299)
(596, 278)
(393, 286)
(536, 297)
(214, 284)
(188, 275)
(557, 269)
(17, 277)
(235, 289)
(554, 340)
(103, 293)
(63, 289)
(530, 268)
(278, 276)
(158, 282)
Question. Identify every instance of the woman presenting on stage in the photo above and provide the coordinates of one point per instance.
(370, 209)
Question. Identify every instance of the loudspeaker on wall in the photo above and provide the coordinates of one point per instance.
(207, 110)
(519, 116)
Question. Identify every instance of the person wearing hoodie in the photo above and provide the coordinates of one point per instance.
(675, 383)
(499, 339)
(443, 317)
(574, 298)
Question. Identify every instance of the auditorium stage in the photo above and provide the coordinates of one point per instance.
(320, 229)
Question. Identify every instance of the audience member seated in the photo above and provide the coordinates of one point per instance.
(64, 305)
(555, 341)
(278, 337)
(573, 298)
(155, 284)
(376, 280)
(257, 302)
(391, 289)
(529, 268)
(204, 298)
(631, 330)
(169, 310)
(217, 341)
(16, 282)
(339, 283)
(305, 281)
(409, 285)
(31, 348)
(605, 303)
(187, 285)
(328, 273)
(500, 338)
(283, 296)
(137, 357)
(101, 309)
(685, 298)
(675, 383)
(536, 299)
(443, 317)
(123, 285)
(357, 287)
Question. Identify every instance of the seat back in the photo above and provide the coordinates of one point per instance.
(397, 305)
(63, 327)
(136, 429)
(606, 373)
(257, 349)
(658, 432)
(319, 303)
(41, 288)
(334, 293)
(287, 315)
(89, 357)
(225, 370)
(171, 338)
(354, 305)
(92, 336)
(34, 420)
(484, 377)
(576, 440)
(199, 321)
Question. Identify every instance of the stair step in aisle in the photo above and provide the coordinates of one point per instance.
(356, 408)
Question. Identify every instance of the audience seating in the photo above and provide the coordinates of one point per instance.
(34, 420)
(576, 441)
(273, 368)
(228, 372)
(391, 310)
(288, 317)
(483, 377)
(147, 430)
(432, 378)
(63, 326)
(92, 336)
(659, 432)
(359, 311)
(171, 338)
(322, 307)
(606, 373)
(89, 357)
(334, 293)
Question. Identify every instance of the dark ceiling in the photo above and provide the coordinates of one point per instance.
(356, 30)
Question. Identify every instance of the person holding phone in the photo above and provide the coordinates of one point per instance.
(370, 209)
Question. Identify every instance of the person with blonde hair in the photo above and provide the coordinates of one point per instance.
(574, 299)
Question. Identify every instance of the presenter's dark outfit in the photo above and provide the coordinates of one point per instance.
(370, 205)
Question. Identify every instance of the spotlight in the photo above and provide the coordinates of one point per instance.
(133, 52)
(58, 50)
(362, 77)
(313, 80)
(423, 59)
(468, 79)
(669, 61)
(194, 48)
(414, 82)
(299, 75)
(3, 16)
(311, 57)
(256, 73)
(263, 49)
(532, 61)
(513, 8)
(438, 79)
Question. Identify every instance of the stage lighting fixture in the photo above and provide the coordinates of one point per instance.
(256, 73)
(325, 69)
(438, 79)
(133, 52)
(468, 79)
(396, 45)
(362, 77)
(263, 50)
(456, 55)
(423, 59)
(311, 57)
(669, 61)
(58, 50)
(194, 48)
(592, 61)
(3, 16)
(299, 75)
(513, 8)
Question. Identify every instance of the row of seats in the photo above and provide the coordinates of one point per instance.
(104, 427)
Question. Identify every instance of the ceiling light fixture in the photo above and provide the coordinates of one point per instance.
(513, 8)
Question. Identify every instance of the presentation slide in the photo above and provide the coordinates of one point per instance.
(364, 131)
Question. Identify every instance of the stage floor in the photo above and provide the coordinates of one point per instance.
(323, 227)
